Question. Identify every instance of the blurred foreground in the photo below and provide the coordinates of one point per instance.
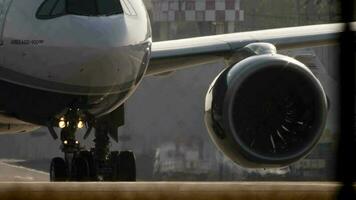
(173, 190)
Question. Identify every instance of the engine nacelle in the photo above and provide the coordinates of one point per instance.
(266, 111)
(10, 125)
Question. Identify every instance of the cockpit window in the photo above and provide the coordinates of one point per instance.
(82, 7)
(55, 8)
(128, 9)
(46, 7)
(109, 7)
(59, 9)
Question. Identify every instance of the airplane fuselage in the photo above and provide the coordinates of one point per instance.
(88, 62)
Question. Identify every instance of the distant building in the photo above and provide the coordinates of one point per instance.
(197, 10)
(319, 165)
(180, 161)
(173, 19)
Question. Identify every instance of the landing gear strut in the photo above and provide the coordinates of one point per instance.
(98, 164)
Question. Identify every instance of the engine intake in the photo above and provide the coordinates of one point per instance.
(266, 111)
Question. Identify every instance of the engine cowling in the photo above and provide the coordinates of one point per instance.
(266, 111)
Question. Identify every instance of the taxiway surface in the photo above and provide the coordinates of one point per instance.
(15, 173)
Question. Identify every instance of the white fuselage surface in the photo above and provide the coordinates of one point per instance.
(66, 58)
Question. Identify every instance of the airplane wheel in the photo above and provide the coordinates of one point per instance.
(80, 169)
(114, 161)
(88, 156)
(126, 166)
(58, 170)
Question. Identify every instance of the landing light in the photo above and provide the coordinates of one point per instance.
(62, 123)
(65, 142)
(80, 124)
(76, 142)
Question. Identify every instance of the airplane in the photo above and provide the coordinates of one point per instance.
(72, 64)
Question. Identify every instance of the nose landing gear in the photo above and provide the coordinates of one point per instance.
(98, 164)
(58, 170)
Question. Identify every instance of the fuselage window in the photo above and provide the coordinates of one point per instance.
(55, 8)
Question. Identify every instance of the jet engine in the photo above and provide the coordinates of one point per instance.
(10, 125)
(266, 111)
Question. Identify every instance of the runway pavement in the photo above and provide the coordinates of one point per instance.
(12, 172)
(17, 183)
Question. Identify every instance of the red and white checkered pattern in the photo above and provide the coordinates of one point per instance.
(197, 10)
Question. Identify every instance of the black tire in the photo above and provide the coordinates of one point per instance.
(88, 156)
(58, 170)
(114, 162)
(80, 169)
(126, 166)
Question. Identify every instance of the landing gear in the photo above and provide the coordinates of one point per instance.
(98, 164)
(125, 169)
(80, 169)
(58, 170)
(89, 158)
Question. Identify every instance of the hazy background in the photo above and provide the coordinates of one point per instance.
(166, 113)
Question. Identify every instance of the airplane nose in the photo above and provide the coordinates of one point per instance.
(110, 58)
(83, 55)
(99, 32)
(95, 57)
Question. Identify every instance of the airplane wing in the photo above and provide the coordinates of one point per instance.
(168, 56)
